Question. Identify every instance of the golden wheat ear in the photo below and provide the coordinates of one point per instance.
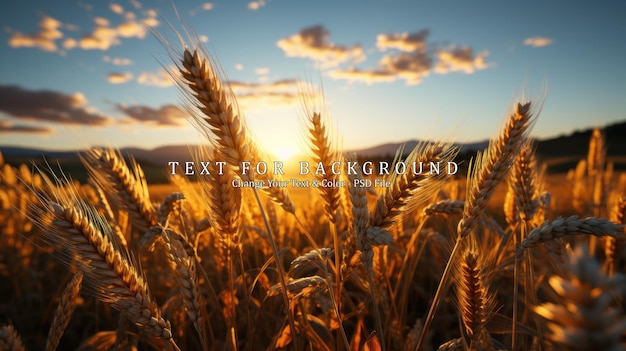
(110, 272)
(10, 339)
(475, 300)
(491, 167)
(126, 185)
(584, 316)
(63, 313)
(212, 108)
(571, 226)
(413, 188)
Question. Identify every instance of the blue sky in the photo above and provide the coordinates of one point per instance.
(75, 73)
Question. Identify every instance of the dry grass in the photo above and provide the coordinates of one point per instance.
(210, 267)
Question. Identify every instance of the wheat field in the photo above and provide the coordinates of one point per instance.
(431, 262)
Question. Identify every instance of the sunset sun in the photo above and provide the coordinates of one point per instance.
(284, 153)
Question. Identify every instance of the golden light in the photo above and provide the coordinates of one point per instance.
(284, 153)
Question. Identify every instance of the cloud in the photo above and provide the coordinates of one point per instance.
(132, 29)
(237, 86)
(136, 4)
(164, 116)
(365, 76)
(238, 66)
(117, 8)
(312, 43)
(207, 6)
(117, 61)
(119, 77)
(87, 7)
(262, 70)
(538, 42)
(45, 39)
(7, 127)
(410, 57)
(160, 78)
(69, 43)
(411, 64)
(277, 94)
(104, 35)
(412, 67)
(404, 41)
(460, 60)
(48, 106)
(255, 5)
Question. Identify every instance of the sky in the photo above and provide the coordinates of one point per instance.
(75, 73)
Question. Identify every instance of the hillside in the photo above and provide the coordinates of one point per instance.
(560, 153)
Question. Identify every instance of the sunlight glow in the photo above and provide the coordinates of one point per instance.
(284, 153)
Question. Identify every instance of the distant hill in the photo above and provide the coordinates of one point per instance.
(561, 153)
(391, 148)
(576, 143)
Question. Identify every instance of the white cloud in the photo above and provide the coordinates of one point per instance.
(119, 77)
(69, 43)
(164, 116)
(404, 41)
(365, 76)
(277, 94)
(101, 21)
(117, 61)
(414, 59)
(131, 29)
(102, 37)
(207, 6)
(136, 4)
(312, 42)
(460, 60)
(538, 42)
(255, 5)
(117, 8)
(45, 39)
(160, 78)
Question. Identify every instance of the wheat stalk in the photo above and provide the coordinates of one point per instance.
(63, 313)
(583, 317)
(129, 186)
(449, 207)
(185, 268)
(103, 203)
(612, 246)
(324, 153)
(571, 226)
(109, 270)
(410, 190)
(489, 170)
(491, 167)
(596, 155)
(171, 205)
(474, 301)
(215, 113)
(10, 340)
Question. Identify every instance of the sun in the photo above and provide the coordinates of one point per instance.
(284, 153)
